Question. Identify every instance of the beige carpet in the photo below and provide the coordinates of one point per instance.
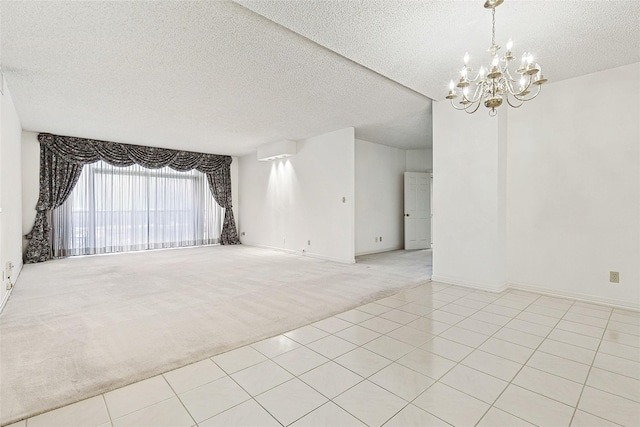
(78, 327)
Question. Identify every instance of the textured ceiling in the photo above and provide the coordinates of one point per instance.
(220, 77)
(203, 76)
(420, 44)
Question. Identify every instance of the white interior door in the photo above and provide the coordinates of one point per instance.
(417, 210)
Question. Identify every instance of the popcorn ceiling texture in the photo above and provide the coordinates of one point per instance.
(224, 77)
(420, 44)
(203, 76)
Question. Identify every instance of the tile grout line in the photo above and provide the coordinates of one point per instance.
(589, 372)
(367, 378)
(456, 363)
(328, 361)
(251, 397)
(178, 396)
(419, 347)
(410, 402)
(104, 399)
(450, 326)
(583, 384)
(491, 405)
(510, 382)
(477, 348)
(333, 360)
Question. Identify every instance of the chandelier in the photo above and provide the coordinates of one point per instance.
(496, 84)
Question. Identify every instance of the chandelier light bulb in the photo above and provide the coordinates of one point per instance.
(497, 84)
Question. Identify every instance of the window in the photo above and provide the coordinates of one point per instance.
(116, 209)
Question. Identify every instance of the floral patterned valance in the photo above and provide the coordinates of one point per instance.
(81, 151)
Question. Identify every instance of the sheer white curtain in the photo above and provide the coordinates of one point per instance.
(117, 209)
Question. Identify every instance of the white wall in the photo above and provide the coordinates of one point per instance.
(419, 160)
(30, 182)
(468, 228)
(547, 197)
(574, 188)
(378, 197)
(286, 203)
(235, 198)
(10, 189)
(31, 187)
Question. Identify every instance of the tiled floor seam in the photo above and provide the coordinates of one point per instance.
(318, 391)
(475, 348)
(104, 399)
(251, 397)
(510, 382)
(372, 374)
(621, 357)
(589, 371)
(143, 407)
(456, 363)
(178, 396)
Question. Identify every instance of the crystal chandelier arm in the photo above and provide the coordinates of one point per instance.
(457, 108)
(510, 83)
(474, 80)
(507, 73)
(477, 94)
(514, 106)
(522, 98)
(466, 110)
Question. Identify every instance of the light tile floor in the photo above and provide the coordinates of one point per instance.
(434, 355)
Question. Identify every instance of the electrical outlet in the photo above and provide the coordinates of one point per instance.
(381, 238)
(308, 242)
(376, 239)
(614, 277)
(242, 234)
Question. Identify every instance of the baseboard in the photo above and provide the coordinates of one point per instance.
(379, 251)
(307, 254)
(469, 284)
(539, 290)
(627, 305)
(7, 294)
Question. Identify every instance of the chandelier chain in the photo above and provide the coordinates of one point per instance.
(493, 27)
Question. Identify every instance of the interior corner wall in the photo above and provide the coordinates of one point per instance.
(287, 203)
(30, 182)
(379, 192)
(234, 187)
(10, 189)
(419, 160)
(468, 225)
(574, 188)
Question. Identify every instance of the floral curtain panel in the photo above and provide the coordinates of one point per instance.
(61, 162)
